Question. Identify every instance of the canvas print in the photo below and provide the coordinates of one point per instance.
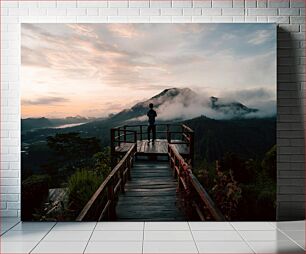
(148, 122)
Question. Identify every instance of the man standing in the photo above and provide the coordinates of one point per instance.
(151, 127)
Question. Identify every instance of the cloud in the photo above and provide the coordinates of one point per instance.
(201, 105)
(250, 95)
(124, 30)
(31, 57)
(83, 30)
(188, 105)
(131, 61)
(45, 101)
(103, 53)
(260, 37)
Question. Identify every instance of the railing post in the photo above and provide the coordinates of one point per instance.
(140, 126)
(191, 149)
(122, 176)
(113, 148)
(129, 168)
(111, 198)
(119, 136)
(124, 133)
(168, 133)
(170, 156)
(178, 179)
(182, 129)
(188, 194)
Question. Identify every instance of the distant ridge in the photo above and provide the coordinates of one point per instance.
(43, 122)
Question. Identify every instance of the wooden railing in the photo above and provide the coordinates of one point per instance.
(102, 204)
(174, 133)
(194, 197)
(123, 135)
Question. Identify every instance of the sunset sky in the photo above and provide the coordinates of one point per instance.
(96, 69)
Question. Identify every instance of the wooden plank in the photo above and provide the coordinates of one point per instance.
(150, 195)
(159, 147)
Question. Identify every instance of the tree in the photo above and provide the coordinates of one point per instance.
(70, 146)
(269, 163)
(102, 162)
(226, 192)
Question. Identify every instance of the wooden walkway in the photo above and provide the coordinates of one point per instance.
(150, 195)
(160, 147)
(143, 187)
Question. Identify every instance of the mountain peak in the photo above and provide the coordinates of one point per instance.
(172, 92)
(234, 109)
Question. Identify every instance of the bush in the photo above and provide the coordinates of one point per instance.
(102, 162)
(81, 186)
(226, 193)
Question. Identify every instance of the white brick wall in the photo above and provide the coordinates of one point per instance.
(290, 14)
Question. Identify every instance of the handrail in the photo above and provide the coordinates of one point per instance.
(187, 128)
(104, 199)
(122, 135)
(195, 194)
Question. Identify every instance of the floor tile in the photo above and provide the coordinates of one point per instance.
(23, 236)
(33, 226)
(99, 236)
(9, 220)
(223, 247)
(69, 226)
(17, 247)
(297, 236)
(216, 236)
(209, 225)
(60, 247)
(273, 235)
(69, 236)
(166, 226)
(167, 236)
(276, 247)
(7, 225)
(111, 247)
(258, 225)
(169, 247)
(120, 226)
(291, 225)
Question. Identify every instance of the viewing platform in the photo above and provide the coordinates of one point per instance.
(151, 181)
(181, 136)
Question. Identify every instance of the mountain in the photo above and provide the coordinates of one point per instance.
(28, 124)
(249, 138)
(35, 123)
(173, 104)
(166, 96)
(235, 109)
(181, 104)
(184, 103)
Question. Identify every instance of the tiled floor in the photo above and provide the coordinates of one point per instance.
(152, 237)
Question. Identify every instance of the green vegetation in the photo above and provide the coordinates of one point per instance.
(73, 166)
(246, 138)
(72, 147)
(243, 185)
(81, 186)
(244, 189)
